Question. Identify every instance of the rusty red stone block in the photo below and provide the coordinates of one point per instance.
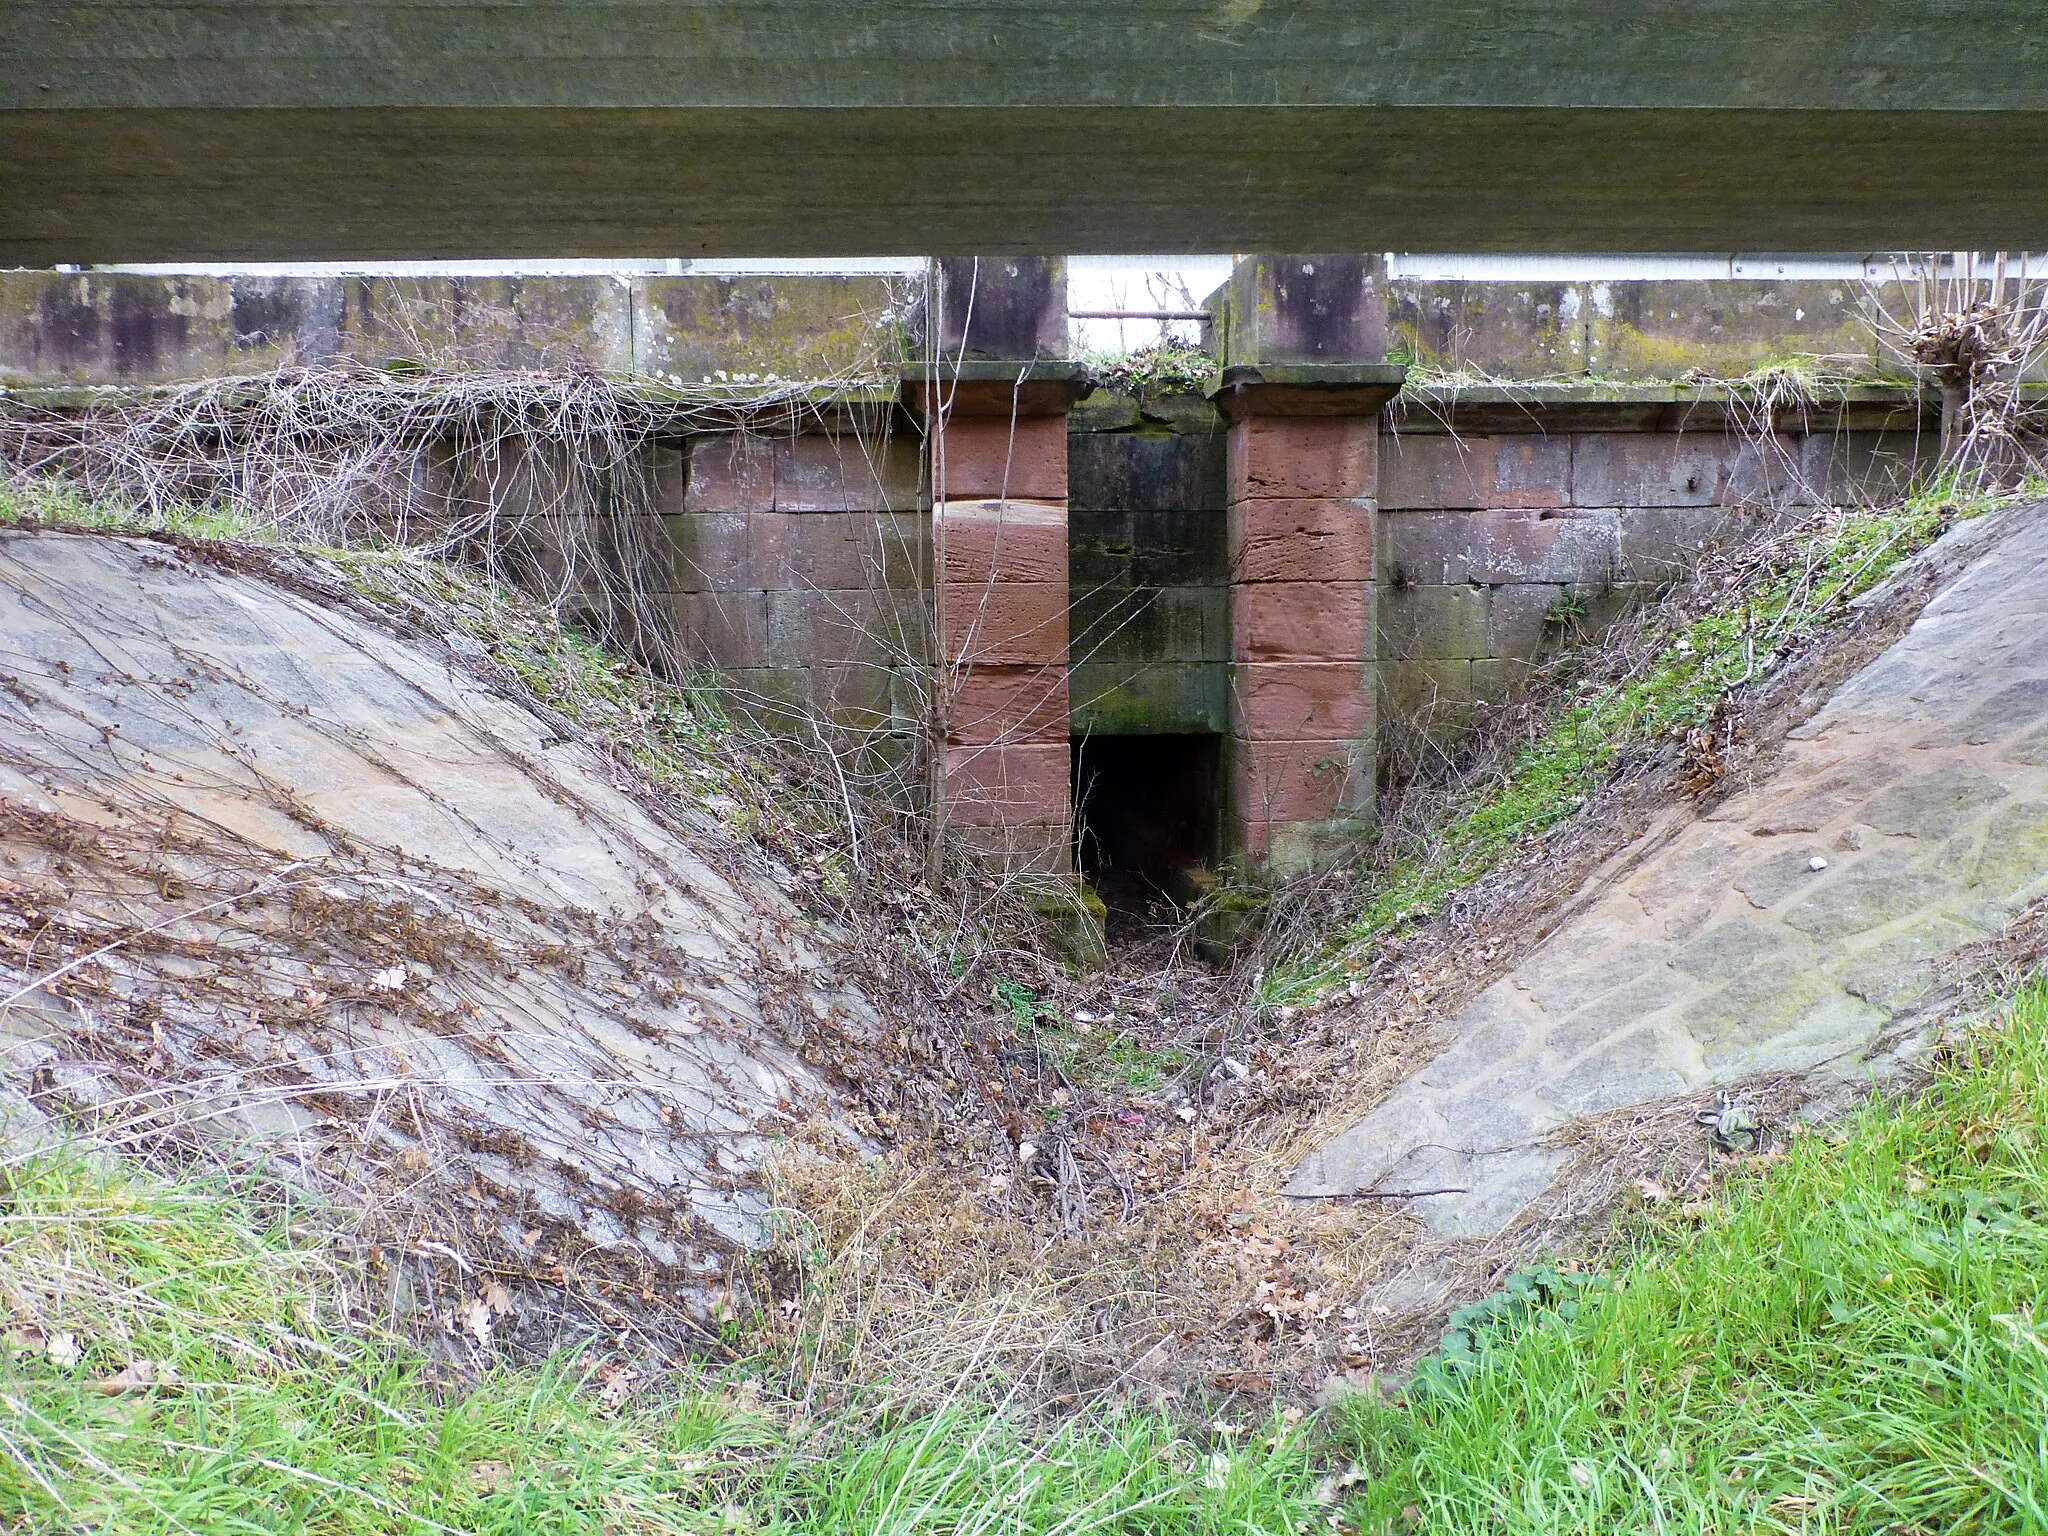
(1007, 540)
(1320, 456)
(1301, 621)
(1275, 782)
(1032, 848)
(1009, 785)
(1300, 538)
(1003, 622)
(1301, 701)
(989, 457)
(990, 705)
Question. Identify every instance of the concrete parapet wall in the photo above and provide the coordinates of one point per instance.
(131, 328)
(123, 327)
(1639, 329)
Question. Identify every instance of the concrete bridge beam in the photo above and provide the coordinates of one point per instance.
(367, 129)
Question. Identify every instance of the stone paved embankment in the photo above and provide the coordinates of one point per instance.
(1795, 927)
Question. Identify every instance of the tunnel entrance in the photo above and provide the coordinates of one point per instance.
(1145, 823)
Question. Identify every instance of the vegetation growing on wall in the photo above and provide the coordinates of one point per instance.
(1165, 368)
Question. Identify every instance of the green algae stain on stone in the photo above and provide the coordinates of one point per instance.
(1932, 805)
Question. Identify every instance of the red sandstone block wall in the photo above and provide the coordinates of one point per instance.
(801, 566)
(1301, 556)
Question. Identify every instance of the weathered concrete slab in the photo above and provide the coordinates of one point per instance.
(268, 130)
(381, 918)
(1794, 928)
(60, 328)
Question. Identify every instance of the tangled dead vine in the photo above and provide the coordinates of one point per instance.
(1978, 326)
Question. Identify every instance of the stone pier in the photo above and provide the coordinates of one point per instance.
(995, 410)
(1302, 386)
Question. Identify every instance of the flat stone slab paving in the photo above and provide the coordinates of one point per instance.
(466, 950)
(1795, 927)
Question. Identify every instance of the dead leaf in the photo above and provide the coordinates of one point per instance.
(137, 1376)
(63, 1350)
(474, 1318)
(1252, 1383)
(486, 1476)
(498, 1299)
(1337, 1483)
(617, 1386)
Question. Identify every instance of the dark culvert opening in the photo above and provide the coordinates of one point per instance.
(1145, 817)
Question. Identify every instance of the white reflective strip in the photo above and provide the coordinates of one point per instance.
(1453, 267)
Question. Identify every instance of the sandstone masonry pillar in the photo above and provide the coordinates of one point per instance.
(1303, 340)
(995, 405)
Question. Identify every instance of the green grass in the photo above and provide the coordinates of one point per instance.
(285, 1417)
(1595, 729)
(1854, 1340)
(55, 504)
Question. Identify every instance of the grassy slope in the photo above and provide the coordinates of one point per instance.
(1845, 1340)
(283, 1418)
(1849, 1341)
